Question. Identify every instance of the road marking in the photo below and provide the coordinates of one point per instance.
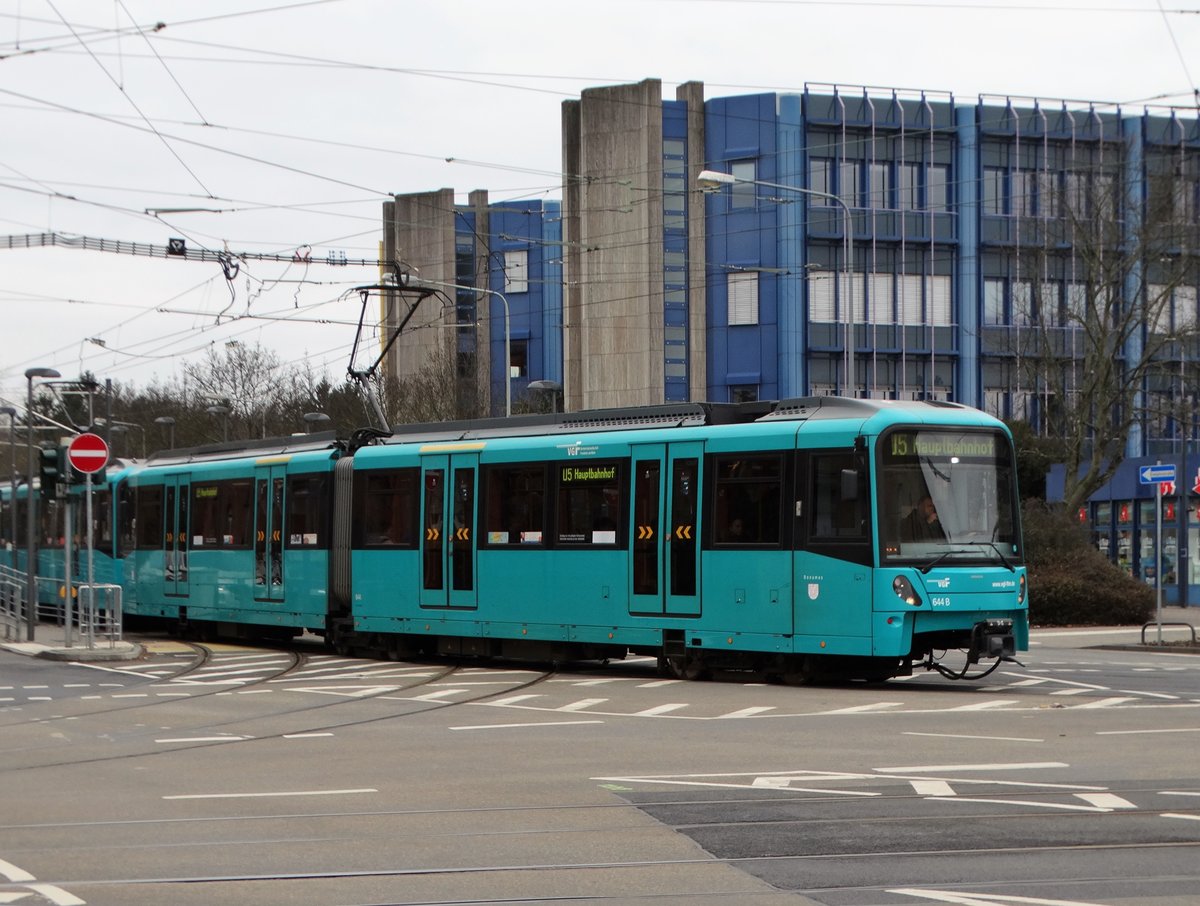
(203, 739)
(746, 712)
(513, 699)
(1025, 802)
(273, 795)
(938, 768)
(932, 788)
(1184, 817)
(659, 709)
(984, 899)
(582, 703)
(17, 875)
(657, 683)
(1177, 793)
(1149, 694)
(347, 691)
(436, 696)
(304, 735)
(552, 723)
(986, 706)
(1104, 703)
(862, 709)
(57, 895)
(1105, 800)
(1071, 692)
(961, 736)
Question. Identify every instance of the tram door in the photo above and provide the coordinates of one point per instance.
(177, 495)
(448, 564)
(269, 501)
(666, 529)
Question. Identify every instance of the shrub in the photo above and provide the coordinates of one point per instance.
(1072, 583)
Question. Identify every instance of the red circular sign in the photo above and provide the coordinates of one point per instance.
(88, 453)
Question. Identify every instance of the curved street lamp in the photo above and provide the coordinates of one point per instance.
(222, 411)
(168, 422)
(312, 419)
(30, 542)
(712, 180)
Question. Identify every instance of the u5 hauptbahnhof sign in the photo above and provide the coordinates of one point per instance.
(88, 453)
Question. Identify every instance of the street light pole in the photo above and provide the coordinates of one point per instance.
(31, 526)
(222, 411)
(712, 180)
(12, 474)
(168, 422)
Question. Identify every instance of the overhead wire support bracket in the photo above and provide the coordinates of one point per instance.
(176, 250)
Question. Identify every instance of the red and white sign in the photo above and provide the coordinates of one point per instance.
(88, 453)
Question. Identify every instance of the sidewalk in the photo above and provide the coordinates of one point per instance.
(50, 642)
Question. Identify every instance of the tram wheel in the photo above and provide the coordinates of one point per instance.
(687, 668)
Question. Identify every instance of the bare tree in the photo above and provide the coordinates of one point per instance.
(1104, 360)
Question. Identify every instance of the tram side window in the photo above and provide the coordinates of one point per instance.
(127, 515)
(747, 499)
(52, 517)
(220, 514)
(589, 503)
(206, 508)
(833, 518)
(386, 508)
(516, 504)
(306, 515)
(149, 524)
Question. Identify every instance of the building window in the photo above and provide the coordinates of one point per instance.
(937, 292)
(820, 179)
(1048, 307)
(1022, 303)
(743, 193)
(993, 190)
(518, 358)
(746, 393)
(1021, 204)
(882, 298)
(848, 182)
(937, 187)
(821, 297)
(993, 302)
(516, 271)
(908, 186)
(910, 300)
(879, 191)
(743, 299)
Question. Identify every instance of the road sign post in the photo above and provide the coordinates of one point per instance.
(88, 453)
(1158, 475)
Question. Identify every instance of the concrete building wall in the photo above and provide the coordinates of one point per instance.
(420, 234)
(613, 226)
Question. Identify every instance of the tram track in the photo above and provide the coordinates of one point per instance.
(299, 659)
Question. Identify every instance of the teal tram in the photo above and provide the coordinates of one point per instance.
(809, 538)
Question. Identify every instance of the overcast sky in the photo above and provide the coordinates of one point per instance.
(295, 121)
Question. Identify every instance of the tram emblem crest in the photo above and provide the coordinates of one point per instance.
(814, 590)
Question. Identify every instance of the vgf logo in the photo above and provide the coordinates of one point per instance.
(942, 583)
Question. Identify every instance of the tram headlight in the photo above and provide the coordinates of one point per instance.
(905, 592)
(1021, 590)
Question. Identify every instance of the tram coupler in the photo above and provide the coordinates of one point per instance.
(992, 638)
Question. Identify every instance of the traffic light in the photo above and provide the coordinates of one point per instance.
(50, 465)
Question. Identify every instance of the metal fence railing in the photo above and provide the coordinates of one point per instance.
(12, 602)
(91, 612)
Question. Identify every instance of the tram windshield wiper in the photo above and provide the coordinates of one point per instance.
(1000, 554)
(936, 560)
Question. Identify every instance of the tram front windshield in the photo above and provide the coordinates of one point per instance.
(949, 496)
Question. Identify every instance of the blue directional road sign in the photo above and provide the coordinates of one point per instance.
(1156, 473)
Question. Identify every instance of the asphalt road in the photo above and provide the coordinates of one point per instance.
(238, 775)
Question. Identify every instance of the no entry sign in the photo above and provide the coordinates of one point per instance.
(88, 453)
